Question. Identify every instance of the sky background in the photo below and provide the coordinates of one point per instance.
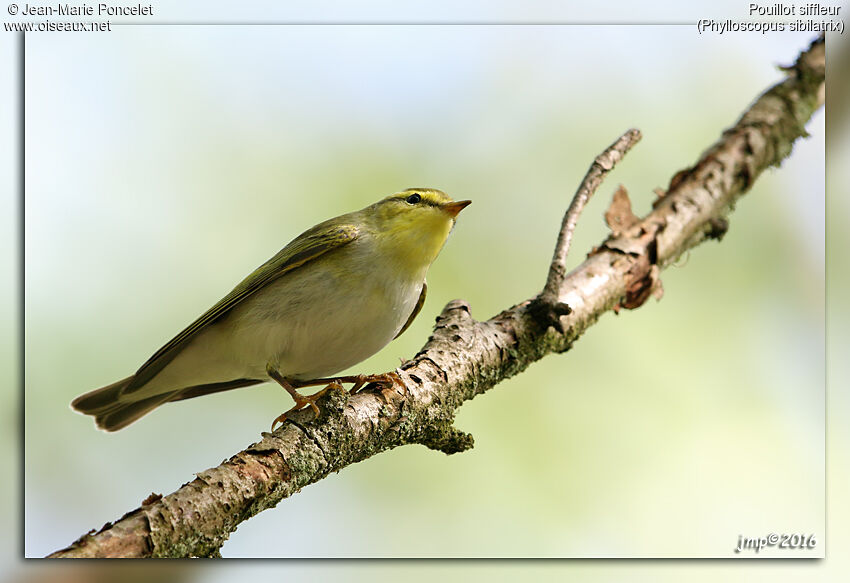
(165, 163)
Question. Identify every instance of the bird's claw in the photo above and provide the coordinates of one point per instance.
(303, 401)
(386, 379)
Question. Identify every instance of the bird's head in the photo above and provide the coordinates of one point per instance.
(415, 223)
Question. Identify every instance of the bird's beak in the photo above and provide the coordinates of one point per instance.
(453, 208)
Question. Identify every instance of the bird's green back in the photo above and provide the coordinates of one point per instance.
(314, 242)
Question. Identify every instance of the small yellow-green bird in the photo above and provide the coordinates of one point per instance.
(331, 298)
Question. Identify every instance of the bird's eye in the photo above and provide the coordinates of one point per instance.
(413, 198)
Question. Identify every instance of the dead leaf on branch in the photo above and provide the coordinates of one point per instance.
(619, 216)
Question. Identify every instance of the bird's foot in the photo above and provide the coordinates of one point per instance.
(304, 401)
(386, 379)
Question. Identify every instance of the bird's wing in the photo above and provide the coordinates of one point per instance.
(311, 244)
(416, 309)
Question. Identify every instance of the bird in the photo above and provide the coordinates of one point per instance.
(334, 296)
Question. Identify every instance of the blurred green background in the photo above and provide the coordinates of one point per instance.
(164, 164)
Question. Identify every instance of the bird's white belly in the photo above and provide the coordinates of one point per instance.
(307, 334)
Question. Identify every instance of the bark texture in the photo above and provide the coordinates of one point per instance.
(464, 357)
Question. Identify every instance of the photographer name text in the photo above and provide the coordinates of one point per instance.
(101, 9)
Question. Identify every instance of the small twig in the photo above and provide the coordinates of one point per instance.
(601, 166)
(547, 308)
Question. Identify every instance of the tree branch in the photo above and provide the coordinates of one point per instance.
(464, 357)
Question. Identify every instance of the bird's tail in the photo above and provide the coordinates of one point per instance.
(110, 412)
